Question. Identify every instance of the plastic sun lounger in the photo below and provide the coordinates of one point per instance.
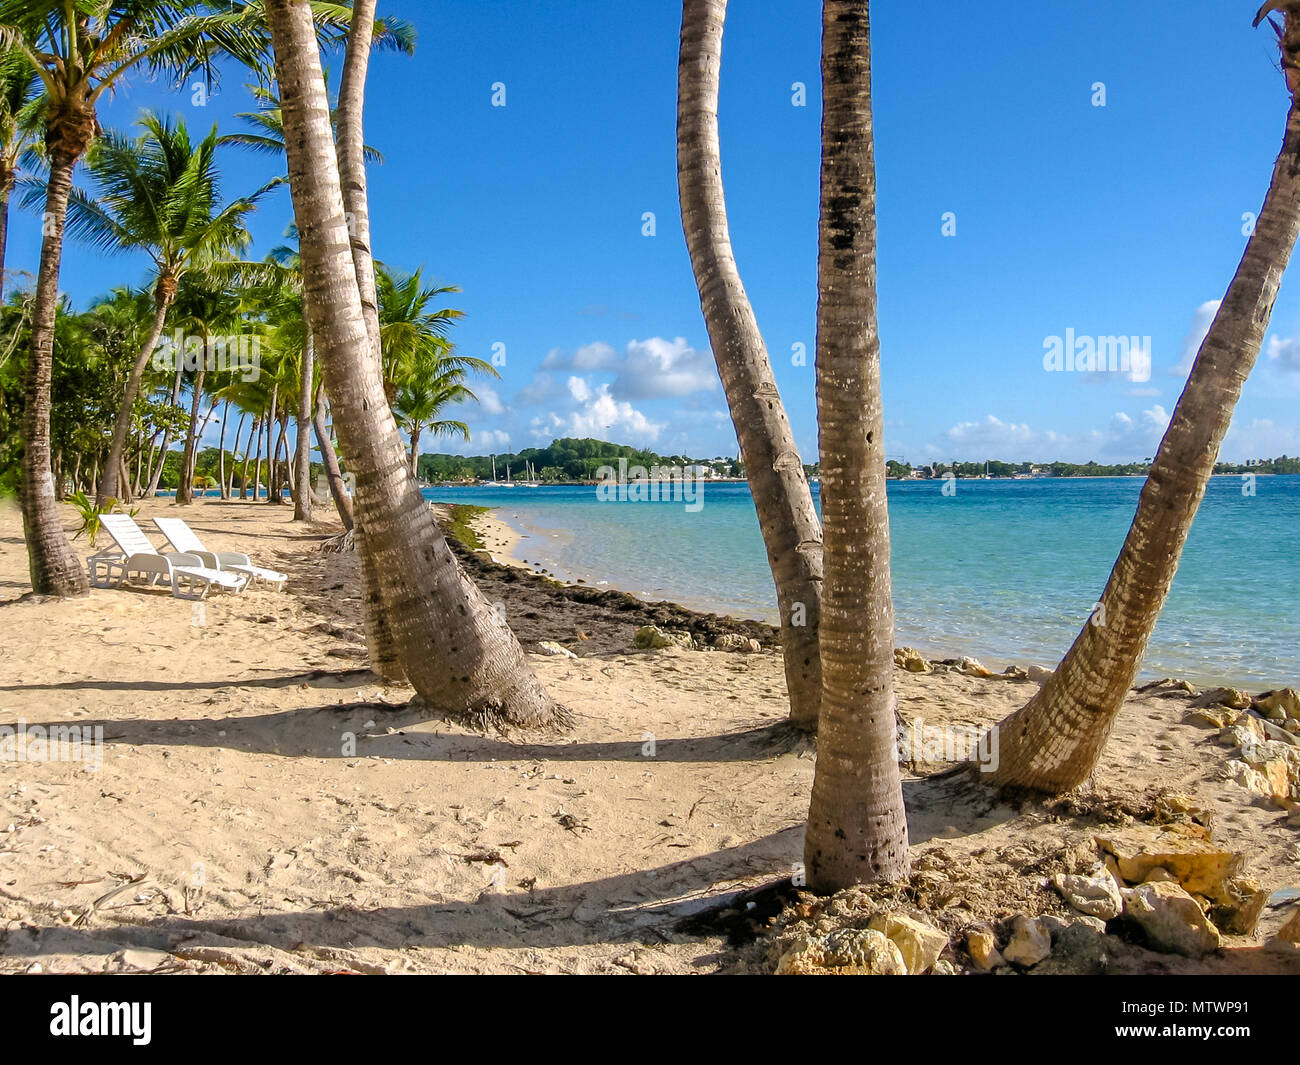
(136, 558)
(183, 538)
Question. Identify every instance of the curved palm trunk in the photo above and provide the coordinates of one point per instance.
(342, 502)
(775, 471)
(459, 655)
(109, 487)
(349, 116)
(302, 478)
(54, 568)
(1053, 743)
(857, 827)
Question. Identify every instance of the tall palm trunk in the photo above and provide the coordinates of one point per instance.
(350, 153)
(177, 380)
(459, 655)
(164, 293)
(6, 188)
(342, 501)
(1053, 743)
(775, 471)
(302, 480)
(221, 450)
(54, 568)
(185, 487)
(415, 451)
(857, 827)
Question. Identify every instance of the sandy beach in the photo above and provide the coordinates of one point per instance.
(233, 828)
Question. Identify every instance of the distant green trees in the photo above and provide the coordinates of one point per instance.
(568, 459)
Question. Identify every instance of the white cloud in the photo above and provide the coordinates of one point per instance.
(597, 414)
(1124, 438)
(489, 401)
(1284, 352)
(654, 368)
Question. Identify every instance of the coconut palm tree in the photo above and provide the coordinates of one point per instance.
(857, 827)
(458, 653)
(159, 193)
(775, 471)
(413, 328)
(21, 103)
(1053, 743)
(81, 51)
(435, 382)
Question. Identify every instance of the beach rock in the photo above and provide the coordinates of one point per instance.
(910, 659)
(1214, 717)
(919, 943)
(1172, 920)
(652, 637)
(1247, 730)
(1244, 902)
(1080, 949)
(1031, 942)
(1238, 772)
(1279, 705)
(983, 950)
(1097, 895)
(973, 668)
(1290, 932)
(731, 641)
(844, 952)
(550, 647)
(1160, 875)
(1014, 673)
(1232, 698)
(1197, 864)
(1039, 675)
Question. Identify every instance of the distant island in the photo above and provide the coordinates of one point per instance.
(570, 460)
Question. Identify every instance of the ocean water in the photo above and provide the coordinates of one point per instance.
(1004, 570)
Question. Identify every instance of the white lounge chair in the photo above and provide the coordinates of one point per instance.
(183, 538)
(136, 558)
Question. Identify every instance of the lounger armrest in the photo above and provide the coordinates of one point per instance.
(233, 558)
(185, 558)
(208, 558)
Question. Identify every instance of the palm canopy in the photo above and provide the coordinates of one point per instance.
(161, 193)
(412, 328)
(82, 48)
(266, 137)
(21, 102)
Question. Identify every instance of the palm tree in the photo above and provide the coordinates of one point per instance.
(775, 471)
(459, 655)
(857, 827)
(1053, 743)
(424, 393)
(81, 51)
(21, 102)
(413, 329)
(159, 193)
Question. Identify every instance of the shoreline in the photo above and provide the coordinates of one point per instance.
(510, 542)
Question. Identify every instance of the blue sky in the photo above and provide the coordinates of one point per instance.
(1122, 220)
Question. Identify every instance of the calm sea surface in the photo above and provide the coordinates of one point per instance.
(1007, 570)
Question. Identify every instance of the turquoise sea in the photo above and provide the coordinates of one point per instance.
(1003, 570)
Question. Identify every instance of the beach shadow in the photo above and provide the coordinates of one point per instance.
(315, 678)
(644, 905)
(316, 731)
